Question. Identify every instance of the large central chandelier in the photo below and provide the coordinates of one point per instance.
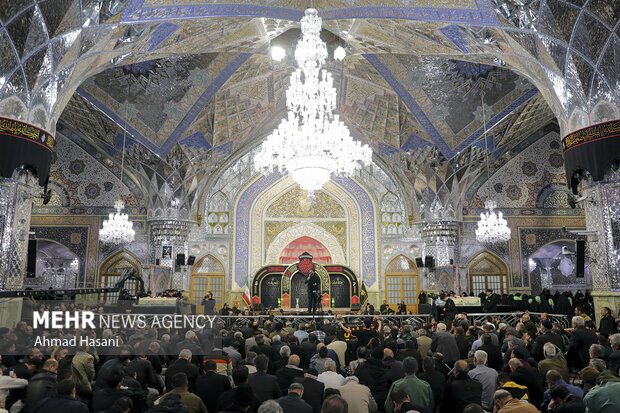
(311, 143)
(118, 229)
(492, 227)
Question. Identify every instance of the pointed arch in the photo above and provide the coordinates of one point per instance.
(402, 283)
(488, 270)
(208, 274)
(113, 267)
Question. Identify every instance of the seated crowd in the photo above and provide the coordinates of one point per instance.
(270, 365)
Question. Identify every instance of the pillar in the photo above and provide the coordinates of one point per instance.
(172, 233)
(591, 156)
(16, 197)
(25, 159)
(440, 239)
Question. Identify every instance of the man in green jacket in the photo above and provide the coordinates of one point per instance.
(418, 390)
(180, 386)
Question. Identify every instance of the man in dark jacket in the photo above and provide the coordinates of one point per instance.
(41, 385)
(461, 390)
(494, 359)
(374, 375)
(445, 343)
(402, 403)
(144, 373)
(211, 385)
(581, 338)
(118, 362)
(313, 390)
(171, 404)
(306, 350)
(242, 401)
(265, 386)
(547, 336)
(529, 377)
(490, 302)
(292, 402)
(436, 379)
(395, 367)
(564, 401)
(287, 374)
(240, 379)
(607, 324)
(64, 401)
(183, 365)
(103, 398)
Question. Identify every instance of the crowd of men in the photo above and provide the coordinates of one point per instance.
(270, 365)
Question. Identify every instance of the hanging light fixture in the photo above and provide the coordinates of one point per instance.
(311, 143)
(492, 227)
(117, 229)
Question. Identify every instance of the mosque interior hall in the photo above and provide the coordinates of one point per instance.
(236, 149)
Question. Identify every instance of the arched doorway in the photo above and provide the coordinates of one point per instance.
(299, 290)
(56, 267)
(207, 275)
(487, 270)
(402, 281)
(113, 267)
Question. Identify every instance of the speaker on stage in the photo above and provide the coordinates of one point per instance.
(580, 252)
(429, 262)
(419, 262)
(180, 259)
(31, 263)
(191, 260)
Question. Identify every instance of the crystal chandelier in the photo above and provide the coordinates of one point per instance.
(492, 227)
(117, 229)
(311, 143)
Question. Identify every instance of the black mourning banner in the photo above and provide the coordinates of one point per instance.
(24, 144)
(592, 149)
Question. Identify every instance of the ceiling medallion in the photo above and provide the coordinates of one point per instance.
(492, 227)
(311, 143)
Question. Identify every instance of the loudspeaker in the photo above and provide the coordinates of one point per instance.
(31, 263)
(156, 261)
(580, 252)
(451, 261)
(429, 261)
(419, 262)
(180, 259)
(191, 260)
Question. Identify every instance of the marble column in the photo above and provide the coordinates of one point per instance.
(16, 198)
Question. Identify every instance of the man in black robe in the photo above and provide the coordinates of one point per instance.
(314, 291)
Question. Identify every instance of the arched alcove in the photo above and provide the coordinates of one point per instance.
(286, 237)
(402, 281)
(113, 267)
(487, 270)
(54, 266)
(208, 274)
